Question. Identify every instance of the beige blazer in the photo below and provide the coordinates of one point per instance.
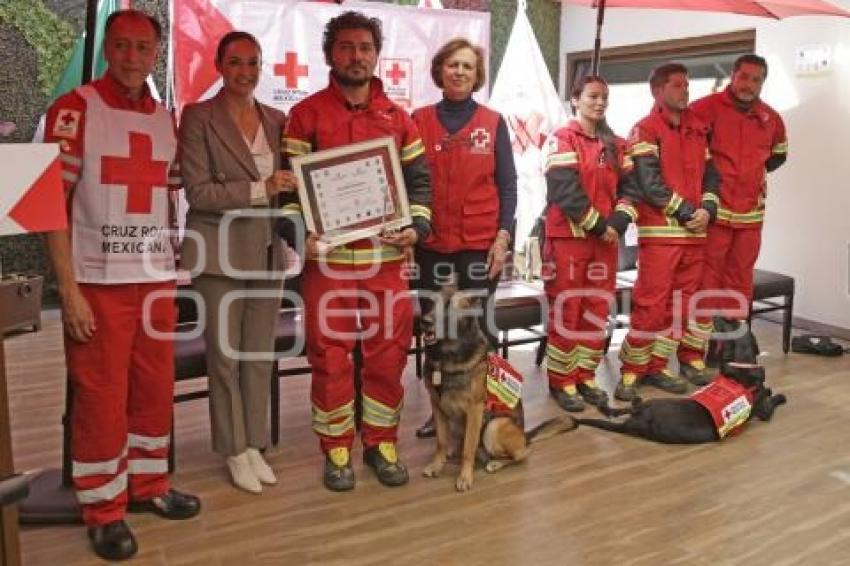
(217, 168)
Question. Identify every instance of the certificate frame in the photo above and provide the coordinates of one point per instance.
(352, 192)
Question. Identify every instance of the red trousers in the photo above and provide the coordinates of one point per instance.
(727, 281)
(668, 276)
(123, 380)
(580, 279)
(373, 302)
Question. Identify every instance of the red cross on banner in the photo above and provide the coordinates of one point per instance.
(290, 69)
(395, 74)
(138, 172)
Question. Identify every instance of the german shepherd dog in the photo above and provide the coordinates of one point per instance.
(455, 372)
(685, 421)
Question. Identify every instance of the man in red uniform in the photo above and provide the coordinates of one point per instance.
(678, 184)
(115, 271)
(361, 285)
(747, 140)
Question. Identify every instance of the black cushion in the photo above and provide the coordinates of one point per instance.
(767, 284)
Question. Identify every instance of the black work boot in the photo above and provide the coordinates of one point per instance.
(170, 505)
(593, 394)
(383, 459)
(338, 474)
(570, 402)
(113, 541)
(666, 381)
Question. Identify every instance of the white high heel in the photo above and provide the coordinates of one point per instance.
(262, 471)
(242, 473)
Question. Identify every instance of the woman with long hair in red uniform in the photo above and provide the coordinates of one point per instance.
(586, 170)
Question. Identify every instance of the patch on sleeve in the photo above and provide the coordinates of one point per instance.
(67, 124)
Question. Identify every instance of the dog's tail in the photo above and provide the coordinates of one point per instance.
(550, 428)
(613, 426)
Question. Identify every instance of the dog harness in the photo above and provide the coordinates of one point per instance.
(504, 387)
(729, 403)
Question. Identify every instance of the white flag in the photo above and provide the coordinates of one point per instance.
(524, 94)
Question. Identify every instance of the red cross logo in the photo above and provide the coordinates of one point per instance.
(138, 172)
(527, 132)
(480, 138)
(68, 118)
(396, 74)
(290, 69)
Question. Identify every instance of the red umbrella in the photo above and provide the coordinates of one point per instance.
(776, 9)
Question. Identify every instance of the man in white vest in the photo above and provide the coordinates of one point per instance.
(115, 269)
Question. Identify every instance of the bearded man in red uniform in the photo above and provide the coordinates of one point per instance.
(747, 141)
(361, 285)
(115, 269)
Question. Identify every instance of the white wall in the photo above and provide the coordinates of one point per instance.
(807, 228)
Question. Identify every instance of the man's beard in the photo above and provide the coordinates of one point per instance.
(350, 81)
(741, 103)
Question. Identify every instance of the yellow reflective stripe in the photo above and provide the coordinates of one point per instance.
(667, 232)
(780, 148)
(420, 210)
(739, 419)
(694, 342)
(504, 394)
(334, 429)
(292, 146)
(642, 148)
(346, 255)
(292, 209)
(628, 209)
(674, 203)
(590, 218)
(557, 367)
(557, 354)
(634, 354)
(751, 217)
(412, 151)
(710, 197)
(627, 164)
(334, 414)
(376, 413)
(565, 159)
(663, 346)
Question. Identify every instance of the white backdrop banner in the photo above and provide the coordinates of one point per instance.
(290, 33)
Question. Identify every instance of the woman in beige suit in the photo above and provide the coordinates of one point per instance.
(230, 160)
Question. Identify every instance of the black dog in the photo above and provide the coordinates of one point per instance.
(687, 421)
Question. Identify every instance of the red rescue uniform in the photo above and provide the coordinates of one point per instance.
(672, 168)
(362, 281)
(745, 145)
(583, 187)
(117, 158)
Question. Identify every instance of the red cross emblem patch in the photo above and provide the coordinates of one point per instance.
(67, 124)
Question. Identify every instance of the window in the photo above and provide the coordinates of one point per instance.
(708, 58)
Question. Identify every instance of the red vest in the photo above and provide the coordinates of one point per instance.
(465, 205)
(729, 403)
(504, 387)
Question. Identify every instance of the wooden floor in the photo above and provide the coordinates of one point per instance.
(778, 495)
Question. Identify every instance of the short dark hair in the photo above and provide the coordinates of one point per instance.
(350, 20)
(661, 74)
(447, 51)
(136, 14)
(232, 37)
(752, 59)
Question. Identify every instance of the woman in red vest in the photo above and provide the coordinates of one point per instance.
(586, 167)
(473, 181)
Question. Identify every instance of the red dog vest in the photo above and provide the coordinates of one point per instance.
(729, 403)
(504, 386)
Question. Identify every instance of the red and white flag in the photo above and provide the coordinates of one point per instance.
(525, 95)
(32, 198)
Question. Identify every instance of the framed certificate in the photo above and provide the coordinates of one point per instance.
(352, 192)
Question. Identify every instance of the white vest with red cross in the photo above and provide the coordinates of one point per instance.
(120, 208)
(729, 403)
